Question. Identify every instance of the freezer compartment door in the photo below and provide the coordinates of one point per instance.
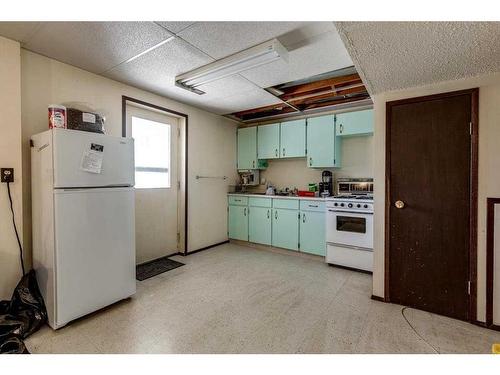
(95, 249)
(84, 159)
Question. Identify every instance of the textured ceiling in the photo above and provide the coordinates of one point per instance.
(398, 55)
(149, 55)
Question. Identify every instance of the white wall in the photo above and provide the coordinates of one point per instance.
(357, 161)
(10, 156)
(211, 138)
(489, 168)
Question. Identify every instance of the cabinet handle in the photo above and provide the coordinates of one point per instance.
(276, 152)
(253, 163)
(245, 211)
(303, 218)
(341, 128)
(268, 214)
(283, 151)
(310, 162)
(312, 205)
(276, 215)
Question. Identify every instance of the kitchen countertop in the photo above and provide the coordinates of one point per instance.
(278, 196)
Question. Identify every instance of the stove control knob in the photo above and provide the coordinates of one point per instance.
(342, 205)
(365, 206)
(358, 205)
(349, 205)
(335, 204)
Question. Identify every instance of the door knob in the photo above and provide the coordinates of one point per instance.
(399, 204)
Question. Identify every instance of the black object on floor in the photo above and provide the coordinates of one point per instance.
(155, 267)
(23, 315)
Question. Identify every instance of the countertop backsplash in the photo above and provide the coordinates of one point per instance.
(356, 162)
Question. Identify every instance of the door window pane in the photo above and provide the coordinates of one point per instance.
(152, 153)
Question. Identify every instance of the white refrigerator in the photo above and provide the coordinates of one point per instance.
(83, 220)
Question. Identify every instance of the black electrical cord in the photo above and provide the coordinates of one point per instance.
(416, 332)
(15, 229)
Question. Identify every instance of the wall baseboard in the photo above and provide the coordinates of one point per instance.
(377, 298)
(204, 248)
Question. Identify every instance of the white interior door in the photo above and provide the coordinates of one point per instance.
(156, 177)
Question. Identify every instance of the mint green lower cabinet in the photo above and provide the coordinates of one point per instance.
(312, 232)
(285, 230)
(259, 225)
(238, 223)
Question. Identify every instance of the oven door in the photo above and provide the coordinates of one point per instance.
(349, 228)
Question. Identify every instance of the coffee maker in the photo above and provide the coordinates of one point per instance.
(326, 184)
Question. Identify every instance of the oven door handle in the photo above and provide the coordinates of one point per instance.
(352, 212)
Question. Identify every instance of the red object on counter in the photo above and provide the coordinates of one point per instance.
(305, 193)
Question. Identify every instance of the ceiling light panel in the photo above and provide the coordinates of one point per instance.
(261, 54)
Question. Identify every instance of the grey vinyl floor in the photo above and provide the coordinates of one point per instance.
(238, 299)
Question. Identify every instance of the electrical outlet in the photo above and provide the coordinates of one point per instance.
(6, 174)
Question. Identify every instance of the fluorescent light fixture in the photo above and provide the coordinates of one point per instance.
(250, 58)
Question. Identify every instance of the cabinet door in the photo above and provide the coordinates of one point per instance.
(312, 232)
(285, 231)
(247, 148)
(323, 149)
(268, 141)
(259, 225)
(293, 139)
(355, 123)
(238, 223)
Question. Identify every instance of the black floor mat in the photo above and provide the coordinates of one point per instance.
(155, 267)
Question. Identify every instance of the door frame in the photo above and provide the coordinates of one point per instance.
(141, 103)
(473, 199)
(490, 260)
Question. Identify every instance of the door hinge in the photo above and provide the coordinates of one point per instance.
(334, 161)
(298, 245)
(298, 215)
(468, 287)
(470, 128)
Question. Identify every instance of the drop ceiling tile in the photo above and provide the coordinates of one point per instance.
(320, 54)
(175, 26)
(220, 39)
(95, 46)
(19, 31)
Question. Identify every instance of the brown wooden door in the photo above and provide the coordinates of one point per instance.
(430, 158)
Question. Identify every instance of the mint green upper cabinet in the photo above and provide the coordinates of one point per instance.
(259, 225)
(238, 222)
(285, 231)
(293, 139)
(247, 148)
(268, 141)
(323, 146)
(312, 232)
(355, 123)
